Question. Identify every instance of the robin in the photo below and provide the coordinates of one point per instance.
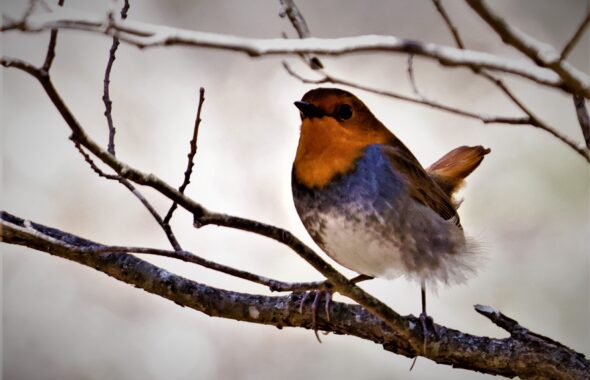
(369, 204)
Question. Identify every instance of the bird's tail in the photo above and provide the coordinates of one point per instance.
(450, 171)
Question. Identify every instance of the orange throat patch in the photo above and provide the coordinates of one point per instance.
(327, 149)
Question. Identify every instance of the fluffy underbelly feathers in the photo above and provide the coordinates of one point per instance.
(366, 222)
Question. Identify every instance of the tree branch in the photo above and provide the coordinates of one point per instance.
(583, 118)
(191, 156)
(300, 25)
(51, 48)
(106, 97)
(532, 119)
(542, 54)
(576, 37)
(527, 355)
(146, 35)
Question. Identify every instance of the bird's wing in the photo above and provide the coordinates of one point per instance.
(421, 186)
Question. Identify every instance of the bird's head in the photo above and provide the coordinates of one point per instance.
(336, 127)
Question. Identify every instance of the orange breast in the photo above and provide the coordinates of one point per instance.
(327, 149)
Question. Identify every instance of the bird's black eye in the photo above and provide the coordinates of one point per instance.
(345, 112)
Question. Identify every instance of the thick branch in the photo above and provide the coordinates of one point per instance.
(146, 35)
(526, 354)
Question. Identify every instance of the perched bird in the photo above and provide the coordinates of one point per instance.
(369, 204)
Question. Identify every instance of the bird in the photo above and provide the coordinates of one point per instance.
(370, 205)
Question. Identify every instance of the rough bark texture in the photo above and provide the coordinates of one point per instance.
(524, 354)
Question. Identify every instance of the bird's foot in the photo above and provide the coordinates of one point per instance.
(323, 292)
(428, 328)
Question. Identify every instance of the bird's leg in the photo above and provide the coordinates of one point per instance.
(326, 290)
(426, 320)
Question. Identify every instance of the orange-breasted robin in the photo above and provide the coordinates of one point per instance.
(369, 204)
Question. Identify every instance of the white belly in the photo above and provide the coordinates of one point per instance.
(369, 245)
(361, 249)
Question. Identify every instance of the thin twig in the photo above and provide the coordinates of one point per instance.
(453, 29)
(50, 56)
(583, 118)
(106, 97)
(191, 156)
(167, 230)
(435, 105)
(179, 253)
(186, 256)
(576, 37)
(300, 25)
(412, 77)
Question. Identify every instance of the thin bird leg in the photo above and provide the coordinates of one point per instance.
(425, 319)
(426, 322)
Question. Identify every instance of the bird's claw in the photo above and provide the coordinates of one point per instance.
(428, 328)
(326, 291)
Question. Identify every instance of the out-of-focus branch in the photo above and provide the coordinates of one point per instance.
(487, 119)
(524, 354)
(300, 25)
(412, 79)
(533, 120)
(190, 156)
(106, 97)
(452, 28)
(576, 37)
(542, 54)
(50, 56)
(146, 35)
(583, 118)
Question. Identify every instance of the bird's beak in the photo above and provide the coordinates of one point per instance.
(308, 109)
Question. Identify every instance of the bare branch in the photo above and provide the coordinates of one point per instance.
(583, 118)
(576, 37)
(167, 230)
(191, 156)
(542, 54)
(532, 119)
(525, 355)
(50, 56)
(413, 79)
(300, 25)
(180, 254)
(145, 35)
(483, 118)
(452, 28)
(106, 97)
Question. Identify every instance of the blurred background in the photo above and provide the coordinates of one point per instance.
(528, 203)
